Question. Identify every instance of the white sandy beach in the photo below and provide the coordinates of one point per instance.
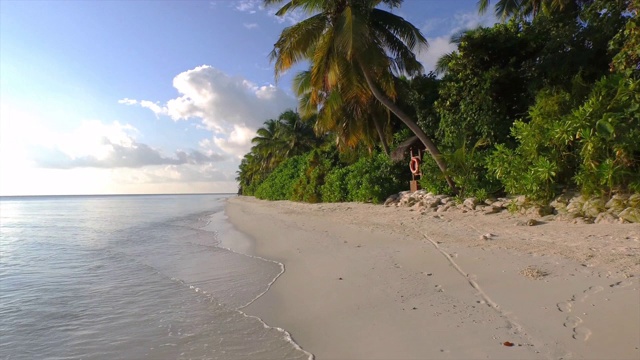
(372, 282)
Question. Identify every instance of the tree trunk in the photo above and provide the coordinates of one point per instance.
(385, 146)
(431, 147)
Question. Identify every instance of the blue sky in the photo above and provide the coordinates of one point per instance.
(100, 97)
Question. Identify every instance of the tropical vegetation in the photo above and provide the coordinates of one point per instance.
(545, 101)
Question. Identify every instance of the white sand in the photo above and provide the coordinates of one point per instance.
(369, 282)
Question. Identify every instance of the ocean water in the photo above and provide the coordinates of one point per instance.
(130, 277)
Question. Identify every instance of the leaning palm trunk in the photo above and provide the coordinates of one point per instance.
(336, 35)
(431, 147)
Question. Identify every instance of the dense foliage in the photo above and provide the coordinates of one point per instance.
(320, 175)
(355, 49)
(547, 101)
(275, 142)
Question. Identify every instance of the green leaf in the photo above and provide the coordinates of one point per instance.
(604, 128)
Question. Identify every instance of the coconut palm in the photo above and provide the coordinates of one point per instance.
(250, 171)
(507, 8)
(297, 135)
(529, 8)
(354, 50)
(267, 145)
(282, 138)
(276, 141)
(353, 123)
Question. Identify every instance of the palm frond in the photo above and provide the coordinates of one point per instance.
(323, 56)
(302, 83)
(402, 29)
(506, 8)
(442, 66)
(295, 41)
(271, 2)
(456, 38)
(306, 107)
(483, 5)
(308, 6)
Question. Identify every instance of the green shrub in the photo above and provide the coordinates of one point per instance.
(308, 187)
(319, 176)
(432, 179)
(595, 147)
(369, 179)
(373, 179)
(533, 168)
(608, 136)
(466, 167)
(280, 183)
(250, 189)
(335, 185)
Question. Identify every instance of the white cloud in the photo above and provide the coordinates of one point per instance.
(100, 158)
(18, 129)
(99, 145)
(153, 107)
(220, 100)
(248, 5)
(156, 108)
(175, 174)
(253, 6)
(467, 21)
(238, 142)
(437, 48)
(127, 101)
(441, 45)
(250, 26)
(231, 107)
(435, 24)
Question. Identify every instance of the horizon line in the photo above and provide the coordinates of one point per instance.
(95, 195)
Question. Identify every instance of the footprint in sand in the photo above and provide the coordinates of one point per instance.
(572, 322)
(593, 290)
(564, 306)
(581, 333)
(590, 291)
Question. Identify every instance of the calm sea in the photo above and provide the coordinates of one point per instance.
(130, 277)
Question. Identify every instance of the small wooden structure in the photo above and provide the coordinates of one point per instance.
(415, 149)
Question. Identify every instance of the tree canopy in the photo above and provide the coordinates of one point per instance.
(355, 50)
(544, 102)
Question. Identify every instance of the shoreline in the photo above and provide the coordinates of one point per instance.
(365, 281)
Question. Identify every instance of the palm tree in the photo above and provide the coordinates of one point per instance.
(352, 122)
(354, 50)
(282, 138)
(295, 133)
(529, 8)
(250, 171)
(267, 145)
(275, 142)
